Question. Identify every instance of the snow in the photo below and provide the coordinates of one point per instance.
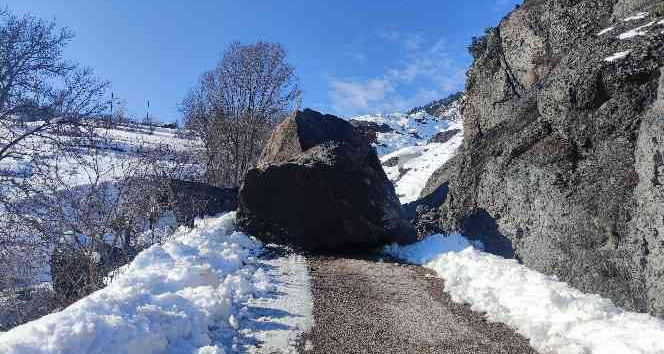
(639, 16)
(416, 164)
(274, 323)
(555, 317)
(606, 30)
(417, 159)
(411, 129)
(617, 56)
(636, 31)
(186, 296)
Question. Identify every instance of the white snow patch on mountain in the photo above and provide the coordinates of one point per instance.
(606, 30)
(617, 56)
(411, 129)
(639, 31)
(638, 16)
(408, 129)
(186, 296)
(416, 164)
(554, 316)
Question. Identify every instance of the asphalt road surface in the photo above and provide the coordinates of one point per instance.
(368, 306)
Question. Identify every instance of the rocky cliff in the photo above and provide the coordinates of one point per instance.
(564, 144)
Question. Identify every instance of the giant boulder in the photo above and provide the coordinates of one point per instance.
(319, 187)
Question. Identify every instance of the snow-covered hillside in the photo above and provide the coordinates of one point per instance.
(406, 150)
(115, 149)
(204, 292)
(410, 129)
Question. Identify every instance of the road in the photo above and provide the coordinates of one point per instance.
(369, 306)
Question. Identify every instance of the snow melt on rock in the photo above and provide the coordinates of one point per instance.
(617, 56)
(606, 30)
(554, 316)
(636, 31)
(639, 16)
(182, 297)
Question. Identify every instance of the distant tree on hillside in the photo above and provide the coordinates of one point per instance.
(235, 106)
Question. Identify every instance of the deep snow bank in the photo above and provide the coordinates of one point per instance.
(182, 297)
(554, 316)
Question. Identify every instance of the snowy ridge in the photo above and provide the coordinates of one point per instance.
(555, 317)
(187, 296)
(411, 129)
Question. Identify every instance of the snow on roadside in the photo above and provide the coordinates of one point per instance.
(182, 297)
(554, 316)
(274, 322)
(416, 164)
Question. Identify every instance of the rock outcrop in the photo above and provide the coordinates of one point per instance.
(444, 136)
(319, 186)
(563, 146)
(370, 129)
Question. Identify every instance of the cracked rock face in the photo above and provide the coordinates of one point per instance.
(564, 145)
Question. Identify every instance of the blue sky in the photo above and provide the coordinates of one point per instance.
(352, 57)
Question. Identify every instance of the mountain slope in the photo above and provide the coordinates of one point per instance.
(413, 145)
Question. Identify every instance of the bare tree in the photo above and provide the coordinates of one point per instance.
(37, 84)
(48, 111)
(235, 106)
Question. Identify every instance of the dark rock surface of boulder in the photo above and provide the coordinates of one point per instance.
(319, 186)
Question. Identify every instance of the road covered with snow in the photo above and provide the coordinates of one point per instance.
(555, 317)
(201, 292)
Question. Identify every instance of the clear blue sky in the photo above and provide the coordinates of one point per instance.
(352, 57)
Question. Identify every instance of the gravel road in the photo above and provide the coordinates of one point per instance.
(365, 306)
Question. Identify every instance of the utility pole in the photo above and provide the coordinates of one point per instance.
(112, 99)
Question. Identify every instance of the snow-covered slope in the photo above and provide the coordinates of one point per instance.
(194, 294)
(555, 317)
(411, 167)
(116, 149)
(411, 129)
(407, 155)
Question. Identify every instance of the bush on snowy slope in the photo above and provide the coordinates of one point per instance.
(181, 297)
(555, 317)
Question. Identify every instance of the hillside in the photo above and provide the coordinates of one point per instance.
(413, 145)
(524, 215)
